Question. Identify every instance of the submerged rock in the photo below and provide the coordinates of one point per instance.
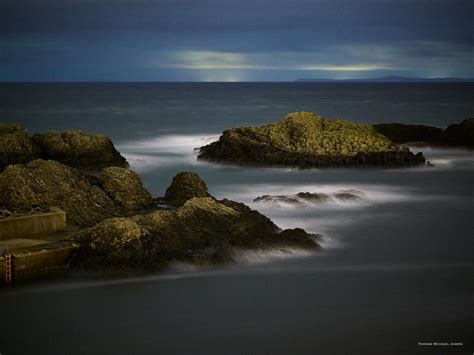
(125, 188)
(277, 198)
(304, 139)
(300, 197)
(404, 133)
(16, 147)
(79, 150)
(202, 230)
(350, 195)
(44, 184)
(314, 197)
(185, 186)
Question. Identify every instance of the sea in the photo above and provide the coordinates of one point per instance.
(395, 274)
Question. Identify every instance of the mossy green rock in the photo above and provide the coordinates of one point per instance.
(202, 230)
(404, 133)
(304, 139)
(185, 186)
(49, 183)
(16, 146)
(125, 188)
(79, 150)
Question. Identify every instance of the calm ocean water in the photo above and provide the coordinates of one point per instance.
(396, 268)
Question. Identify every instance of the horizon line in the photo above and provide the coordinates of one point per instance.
(296, 81)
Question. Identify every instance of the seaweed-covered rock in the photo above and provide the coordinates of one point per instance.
(304, 139)
(461, 134)
(16, 146)
(79, 150)
(45, 184)
(185, 186)
(125, 188)
(404, 133)
(203, 230)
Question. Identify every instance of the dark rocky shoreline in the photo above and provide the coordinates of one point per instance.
(123, 229)
(455, 135)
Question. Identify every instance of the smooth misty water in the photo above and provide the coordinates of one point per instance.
(396, 268)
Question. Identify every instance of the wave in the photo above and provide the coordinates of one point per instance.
(261, 256)
(369, 194)
(164, 150)
(173, 143)
(447, 158)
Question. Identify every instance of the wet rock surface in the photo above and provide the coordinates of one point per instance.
(123, 228)
(125, 188)
(79, 149)
(16, 146)
(185, 186)
(305, 140)
(203, 230)
(74, 148)
(44, 184)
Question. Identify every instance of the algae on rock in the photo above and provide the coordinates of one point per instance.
(79, 149)
(185, 186)
(202, 230)
(49, 183)
(305, 139)
(44, 184)
(16, 146)
(125, 188)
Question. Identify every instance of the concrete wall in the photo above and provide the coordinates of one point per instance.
(34, 264)
(28, 265)
(29, 225)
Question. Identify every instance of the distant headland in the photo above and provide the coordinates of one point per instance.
(390, 79)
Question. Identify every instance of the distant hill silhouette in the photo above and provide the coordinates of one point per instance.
(389, 79)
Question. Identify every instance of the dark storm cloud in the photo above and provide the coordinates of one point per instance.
(173, 39)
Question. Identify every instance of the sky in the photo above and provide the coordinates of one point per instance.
(234, 40)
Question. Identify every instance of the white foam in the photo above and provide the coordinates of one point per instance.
(446, 158)
(371, 194)
(164, 150)
(177, 144)
(261, 256)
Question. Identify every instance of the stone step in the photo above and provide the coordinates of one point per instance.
(29, 225)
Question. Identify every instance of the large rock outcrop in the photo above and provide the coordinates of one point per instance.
(461, 134)
(203, 230)
(304, 139)
(125, 188)
(185, 186)
(43, 183)
(79, 150)
(405, 133)
(16, 146)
